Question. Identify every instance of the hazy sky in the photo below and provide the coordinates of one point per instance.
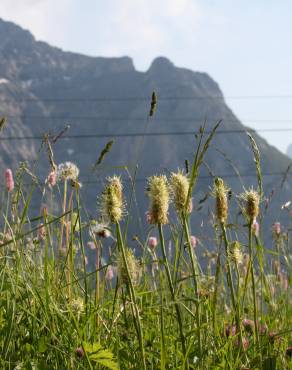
(244, 45)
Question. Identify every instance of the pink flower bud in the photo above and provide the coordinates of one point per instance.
(149, 218)
(79, 352)
(91, 245)
(194, 241)
(52, 179)
(41, 232)
(109, 273)
(152, 242)
(9, 180)
(256, 228)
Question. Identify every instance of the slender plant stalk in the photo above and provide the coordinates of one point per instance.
(172, 292)
(235, 304)
(255, 311)
(194, 273)
(132, 295)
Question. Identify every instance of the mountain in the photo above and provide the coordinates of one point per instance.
(289, 151)
(43, 89)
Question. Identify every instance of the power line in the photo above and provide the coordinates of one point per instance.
(134, 119)
(125, 99)
(144, 179)
(149, 134)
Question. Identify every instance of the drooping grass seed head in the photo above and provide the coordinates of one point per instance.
(220, 192)
(179, 186)
(111, 201)
(251, 199)
(158, 193)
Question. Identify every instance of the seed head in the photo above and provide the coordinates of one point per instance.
(179, 186)
(236, 253)
(252, 203)
(9, 180)
(159, 200)
(111, 202)
(99, 229)
(134, 269)
(220, 193)
(67, 171)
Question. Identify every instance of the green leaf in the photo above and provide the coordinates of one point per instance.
(101, 356)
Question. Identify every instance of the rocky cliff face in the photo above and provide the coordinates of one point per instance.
(42, 89)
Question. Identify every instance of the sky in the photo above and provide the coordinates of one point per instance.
(244, 45)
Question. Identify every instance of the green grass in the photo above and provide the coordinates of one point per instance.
(161, 312)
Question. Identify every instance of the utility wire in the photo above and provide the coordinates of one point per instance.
(134, 99)
(133, 119)
(150, 134)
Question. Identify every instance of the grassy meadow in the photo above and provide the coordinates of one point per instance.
(155, 311)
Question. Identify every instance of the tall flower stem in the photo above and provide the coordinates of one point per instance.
(171, 288)
(255, 313)
(194, 273)
(132, 295)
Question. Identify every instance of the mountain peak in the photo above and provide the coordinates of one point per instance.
(161, 64)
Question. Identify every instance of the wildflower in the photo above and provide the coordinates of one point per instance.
(252, 201)
(276, 229)
(159, 199)
(133, 267)
(194, 241)
(52, 179)
(9, 180)
(42, 232)
(230, 330)
(179, 186)
(245, 343)
(248, 325)
(274, 337)
(67, 171)
(220, 193)
(99, 229)
(255, 228)
(152, 242)
(111, 203)
(109, 273)
(79, 352)
(77, 306)
(263, 329)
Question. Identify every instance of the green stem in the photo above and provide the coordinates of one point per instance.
(171, 288)
(255, 314)
(132, 295)
(230, 283)
(194, 273)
